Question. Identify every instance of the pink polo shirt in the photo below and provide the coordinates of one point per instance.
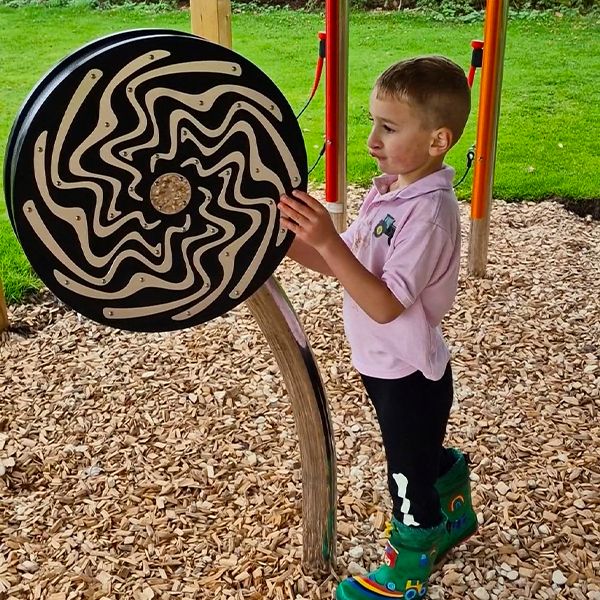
(411, 240)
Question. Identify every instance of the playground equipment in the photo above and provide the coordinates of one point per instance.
(121, 169)
(142, 178)
(212, 19)
(143, 198)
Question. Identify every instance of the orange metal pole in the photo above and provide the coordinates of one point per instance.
(489, 106)
(487, 133)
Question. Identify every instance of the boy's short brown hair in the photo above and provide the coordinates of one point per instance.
(434, 85)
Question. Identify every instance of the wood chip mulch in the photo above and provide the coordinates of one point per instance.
(155, 466)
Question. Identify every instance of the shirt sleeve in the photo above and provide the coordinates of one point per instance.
(419, 251)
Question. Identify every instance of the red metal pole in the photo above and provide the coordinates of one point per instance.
(336, 107)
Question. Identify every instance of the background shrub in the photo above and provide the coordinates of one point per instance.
(447, 8)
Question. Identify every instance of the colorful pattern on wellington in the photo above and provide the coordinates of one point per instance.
(456, 503)
(414, 589)
(408, 561)
(454, 489)
(364, 584)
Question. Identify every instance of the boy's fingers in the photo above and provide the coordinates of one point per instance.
(299, 207)
(290, 213)
(288, 224)
(306, 198)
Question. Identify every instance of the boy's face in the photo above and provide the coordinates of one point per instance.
(399, 140)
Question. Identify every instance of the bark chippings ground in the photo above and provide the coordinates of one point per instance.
(154, 466)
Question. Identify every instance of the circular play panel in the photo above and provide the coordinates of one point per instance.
(142, 178)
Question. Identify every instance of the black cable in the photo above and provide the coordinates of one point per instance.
(304, 107)
(318, 158)
(470, 158)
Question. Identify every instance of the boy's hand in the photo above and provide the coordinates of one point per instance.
(308, 219)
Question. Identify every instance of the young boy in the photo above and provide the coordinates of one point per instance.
(398, 264)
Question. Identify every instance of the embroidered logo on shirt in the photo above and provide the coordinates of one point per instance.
(386, 226)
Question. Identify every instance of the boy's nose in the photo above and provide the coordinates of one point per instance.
(373, 142)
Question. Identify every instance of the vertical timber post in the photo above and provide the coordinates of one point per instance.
(3, 310)
(286, 338)
(336, 109)
(211, 19)
(494, 40)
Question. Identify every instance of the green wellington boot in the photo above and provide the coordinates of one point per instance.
(409, 556)
(454, 489)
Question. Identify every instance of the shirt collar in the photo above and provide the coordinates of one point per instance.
(440, 180)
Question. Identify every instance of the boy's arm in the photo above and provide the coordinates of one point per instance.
(367, 290)
(307, 256)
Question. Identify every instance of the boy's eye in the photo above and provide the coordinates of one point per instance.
(388, 129)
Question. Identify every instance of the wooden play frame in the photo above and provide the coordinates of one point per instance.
(212, 19)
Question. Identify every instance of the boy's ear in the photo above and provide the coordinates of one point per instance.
(441, 141)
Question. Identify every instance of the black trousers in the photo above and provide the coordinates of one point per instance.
(413, 413)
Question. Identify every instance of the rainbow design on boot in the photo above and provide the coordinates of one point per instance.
(407, 564)
(454, 489)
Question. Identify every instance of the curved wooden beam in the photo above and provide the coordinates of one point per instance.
(285, 335)
(279, 323)
(3, 311)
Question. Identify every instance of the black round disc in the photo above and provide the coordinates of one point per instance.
(143, 175)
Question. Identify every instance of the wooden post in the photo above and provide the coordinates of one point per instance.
(211, 19)
(3, 310)
(487, 133)
(285, 335)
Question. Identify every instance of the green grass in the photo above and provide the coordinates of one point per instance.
(550, 102)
